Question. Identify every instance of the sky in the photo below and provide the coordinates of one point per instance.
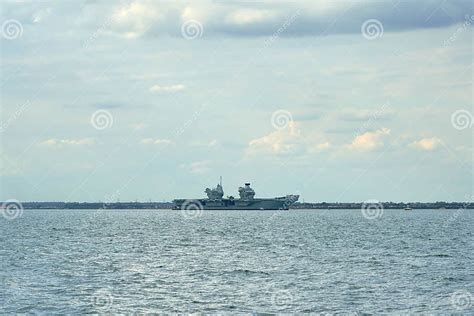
(337, 101)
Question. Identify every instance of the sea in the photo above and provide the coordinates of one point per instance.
(226, 262)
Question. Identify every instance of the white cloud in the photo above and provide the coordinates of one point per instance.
(321, 147)
(200, 13)
(288, 141)
(171, 89)
(58, 143)
(197, 167)
(41, 15)
(249, 16)
(212, 143)
(427, 144)
(151, 141)
(283, 141)
(133, 20)
(369, 140)
(139, 126)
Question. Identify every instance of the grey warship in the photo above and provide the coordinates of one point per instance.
(246, 201)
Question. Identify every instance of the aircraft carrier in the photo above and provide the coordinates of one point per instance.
(246, 201)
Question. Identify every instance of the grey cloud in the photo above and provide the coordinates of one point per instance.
(309, 21)
(404, 15)
(301, 18)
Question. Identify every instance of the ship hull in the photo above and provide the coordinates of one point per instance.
(233, 204)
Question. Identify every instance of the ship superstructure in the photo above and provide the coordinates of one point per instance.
(246, 201)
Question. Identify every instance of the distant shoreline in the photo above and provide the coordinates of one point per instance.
(298, 205)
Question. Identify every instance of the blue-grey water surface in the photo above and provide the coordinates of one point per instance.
(116, 261)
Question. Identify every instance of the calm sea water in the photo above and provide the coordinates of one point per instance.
(115, 261)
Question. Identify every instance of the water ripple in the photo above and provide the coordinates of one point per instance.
(336, 261)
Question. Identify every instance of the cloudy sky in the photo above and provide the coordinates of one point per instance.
(332, 100)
